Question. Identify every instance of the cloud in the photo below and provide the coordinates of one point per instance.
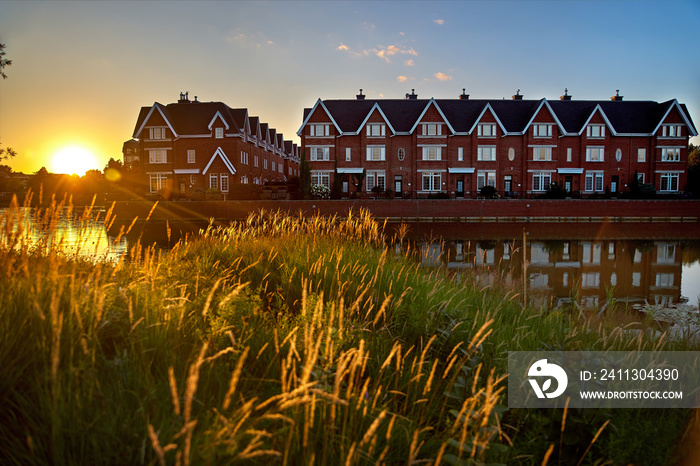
(386, 52)
(439, 21)
(409, 62)
(343, 47)
(402, 79)
(442, 77)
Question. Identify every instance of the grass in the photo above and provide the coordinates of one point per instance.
(289, 340)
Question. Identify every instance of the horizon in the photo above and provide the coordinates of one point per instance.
(79, 99)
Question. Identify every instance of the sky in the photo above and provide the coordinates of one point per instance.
(81, 71)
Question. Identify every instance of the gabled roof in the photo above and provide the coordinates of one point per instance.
(513, 116)
(222, 155)
(193, 118)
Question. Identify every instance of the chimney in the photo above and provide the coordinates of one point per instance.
(360, 96)
(617, 97)
(464, 96)
(517, 96)
(184, 99)
(566, 95)
(412, 95)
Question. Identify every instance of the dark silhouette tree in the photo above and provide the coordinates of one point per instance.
(4, 62)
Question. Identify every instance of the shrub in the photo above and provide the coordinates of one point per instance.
(320, 191)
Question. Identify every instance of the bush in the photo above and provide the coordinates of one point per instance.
(489, 192)
(320, 191)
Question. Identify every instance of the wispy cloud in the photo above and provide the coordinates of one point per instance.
(439, 21)
(386, 52)
(402, 79)
(343, 47)
(409, 62)
(442, 77)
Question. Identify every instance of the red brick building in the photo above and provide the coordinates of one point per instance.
(192, 145)
(418, 147)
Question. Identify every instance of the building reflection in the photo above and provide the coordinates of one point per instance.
(586, 271)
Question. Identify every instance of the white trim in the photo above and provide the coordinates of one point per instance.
(570, 171)
(605, 119)
(691, 130)
(432, 170)
(369, 114)
(224, 158)
(493, 112)
(669, 171)
(537, 170)
(350, 170)
(311, 112)
(156, 106)
(159, 173)
(460, 170)
(211, 123)
(425, 110)
(186, 171)
(551, 112)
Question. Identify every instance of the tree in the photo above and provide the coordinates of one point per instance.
(3, 61)
(693, 185)
(304, 177)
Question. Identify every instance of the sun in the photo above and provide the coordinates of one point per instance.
(73, 161)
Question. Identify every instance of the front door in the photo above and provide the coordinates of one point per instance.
(398, 186)
(508, 184)
(460, 187)
(614, 183)
(568, 181)
(182, 189)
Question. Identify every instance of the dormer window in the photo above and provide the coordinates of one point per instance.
(319, 130)
(432, 129)
(595, 131)
(542, 131)
(486, 130)
(671, 131)
(157, 133)
(376, 130)
(219, 133)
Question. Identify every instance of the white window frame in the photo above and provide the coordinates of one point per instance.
(244, 158)
(376, 153)
(193, 179)
(376, 178)
(641, 154)
(274, 166)
(640, 177)
(594, 182)
(431, 181)
(432, 129)
(595, 131)
(486, 153)
(431, 153)
(670, 154)
(317, 154)
(157, 182)
(672, 131)
(486, 130)
(542, 130)
(376, 130)
(158, 156)
(595, 154)
(460, 154)
(219, 133)
(569, 154)
(541, 181)
(542, 154)
(256, 161)
(191, 156)
(348, 154)
(322, 177)
(401, 154)
(213, 181)
(157, 133)
(223, 180)
(316, 129)
(669, 182)
(485, 178)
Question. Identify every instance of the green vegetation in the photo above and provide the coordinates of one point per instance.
(286, 339)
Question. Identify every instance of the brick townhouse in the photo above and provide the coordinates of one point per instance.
(191, 145)
(418, 147)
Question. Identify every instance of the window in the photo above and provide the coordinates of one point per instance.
(280, 167)
(486, 153)
(640, 178)
(594, 181)
(590, 280)
(265, 162)
(511, 154)
(317, 154)
(213, 181)
(274, 166)
(157, 156)
(541, 153)
(224, 182)
(157, 133)
(191, 156)
(541, 181)
(376, 130)
(666, 253)
(322, 178)
(256, 161)
(671, 154)
(595, 131)
(664, 280)
(193, 179)
(432, 129)
(401, 154)
(595, 154)
(486, 130)
(485, 178)
(319, 130)
(375, 178)
(618, 155)
(348, 158)
(568, 154)
(542, 131)
(244, 158)
(219, 133)
(592, 252)
(432, 181)
(636, 278)
(669, 182)
(641, 155)
(158, 182)
(432, 153)
(375, 153)
(244, 180)
(671, 131)
(460, 154)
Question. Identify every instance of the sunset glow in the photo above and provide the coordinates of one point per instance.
(73, 161)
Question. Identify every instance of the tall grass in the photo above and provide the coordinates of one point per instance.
(282, 338)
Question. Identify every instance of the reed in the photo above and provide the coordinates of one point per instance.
(281, 338)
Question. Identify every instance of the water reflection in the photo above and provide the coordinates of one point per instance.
(588, 271)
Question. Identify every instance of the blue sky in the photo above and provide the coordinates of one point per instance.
(82, 70)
